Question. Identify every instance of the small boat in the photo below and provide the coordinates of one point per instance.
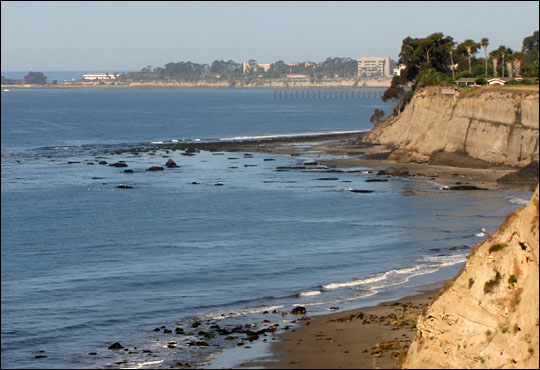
(6, 90)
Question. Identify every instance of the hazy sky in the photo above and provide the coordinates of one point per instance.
(100, 36)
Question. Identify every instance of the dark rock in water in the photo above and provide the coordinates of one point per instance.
(250, 165)
(73, 162)
(40, 356)
(286, 168)
(393, 171)
(167, 331)
(195, 324)
(298, 310)
(171, 164)
(119, 164)
(187, 154)
(90, 163)
(102, 162)
(116, 346)
(218, 184)
(128, 171)
(269, 159)
(195, 183)
(92, 353)
(155, 168)
(466, 187)
(311, 163)
(124, 186)
(360, 191)
(327, 179)
(156, 329)
(376, 180)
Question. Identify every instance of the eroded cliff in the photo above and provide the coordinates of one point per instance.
(497, 125)
(487, 317)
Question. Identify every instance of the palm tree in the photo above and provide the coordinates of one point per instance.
(451, 52)
(509, 59)
(485, 42)
(470, 45)
(517, 62)
(494, 55)
(502, 52)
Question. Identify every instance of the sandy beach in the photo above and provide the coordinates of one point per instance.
(366, 338)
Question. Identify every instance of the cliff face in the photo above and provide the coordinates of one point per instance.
(497, 125)
(487, 317)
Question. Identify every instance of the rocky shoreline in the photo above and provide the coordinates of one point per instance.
(373, 337)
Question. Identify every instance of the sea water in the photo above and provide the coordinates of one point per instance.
(86, 264)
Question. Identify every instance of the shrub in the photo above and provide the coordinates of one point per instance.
(512, 279)
(497, 247)
(491, 284)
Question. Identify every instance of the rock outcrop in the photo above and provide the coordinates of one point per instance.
(495, 125)
(487, 317)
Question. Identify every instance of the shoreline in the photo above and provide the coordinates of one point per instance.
(369, 337)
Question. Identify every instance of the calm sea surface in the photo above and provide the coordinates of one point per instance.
(86, 264)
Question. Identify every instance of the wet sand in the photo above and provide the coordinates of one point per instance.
(367, 338)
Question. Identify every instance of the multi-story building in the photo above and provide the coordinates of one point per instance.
(246, 66)
(374, 67)
(101, 76)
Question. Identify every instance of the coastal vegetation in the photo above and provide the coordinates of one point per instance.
(437, 60)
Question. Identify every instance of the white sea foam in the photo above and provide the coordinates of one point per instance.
(516, 200)
(243, 312)
(289, 135)
(310, 294)
(145, 364)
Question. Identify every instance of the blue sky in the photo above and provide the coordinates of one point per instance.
(48, 36)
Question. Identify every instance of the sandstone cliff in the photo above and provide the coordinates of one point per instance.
(496, 125)
(487, 317)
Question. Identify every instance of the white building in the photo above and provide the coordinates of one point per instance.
(101, 76)
(246, 66)
(398, 69)
(374, 66)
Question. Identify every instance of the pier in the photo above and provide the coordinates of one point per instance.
(291, 93)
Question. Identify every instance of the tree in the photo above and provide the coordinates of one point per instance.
(530, 56)
(36, 78)
(452, 66)
(377, 117)
(503, 50)
(471, 48)
(485, 42)
(396, 93)
(494, 55)
(423, 53)
(431, 77)
(516, 61)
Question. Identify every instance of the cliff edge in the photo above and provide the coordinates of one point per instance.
(487, 317)
(497, 125)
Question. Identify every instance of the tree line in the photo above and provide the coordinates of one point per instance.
(337, 67)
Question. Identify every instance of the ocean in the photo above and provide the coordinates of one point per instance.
(86, 264)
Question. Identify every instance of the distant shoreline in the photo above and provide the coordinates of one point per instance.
(254, 84)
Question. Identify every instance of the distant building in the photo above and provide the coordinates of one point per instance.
(398, 69)
(297, 76)
(466, 81)
(498, 80)
(101, 76)
(374, 67)
(246, 66)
